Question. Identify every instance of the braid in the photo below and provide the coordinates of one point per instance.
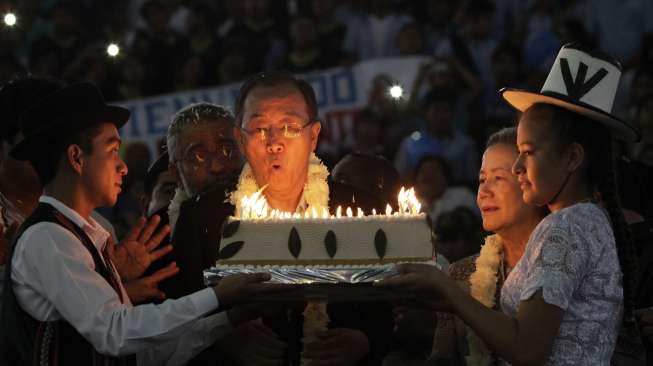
(608, 189)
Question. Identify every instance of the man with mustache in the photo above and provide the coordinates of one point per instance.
(205, 161)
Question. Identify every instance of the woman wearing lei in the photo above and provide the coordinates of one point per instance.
(573, 288)
(512, 221)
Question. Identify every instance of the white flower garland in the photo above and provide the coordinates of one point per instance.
(316, 189)
(483, 286)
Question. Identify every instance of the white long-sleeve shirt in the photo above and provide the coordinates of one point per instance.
(54, 278)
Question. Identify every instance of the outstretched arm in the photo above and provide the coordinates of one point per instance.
(526, 339)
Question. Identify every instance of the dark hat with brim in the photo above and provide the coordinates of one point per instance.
(583, 81)
(61, 115)
(159, 166)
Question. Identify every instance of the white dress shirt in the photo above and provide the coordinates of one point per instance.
(54, 278)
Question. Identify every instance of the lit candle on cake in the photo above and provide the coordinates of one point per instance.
(255, 207)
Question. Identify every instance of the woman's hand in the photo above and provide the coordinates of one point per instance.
(145, 288)
(432, 288)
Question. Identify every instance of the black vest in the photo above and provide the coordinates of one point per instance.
(27, 341)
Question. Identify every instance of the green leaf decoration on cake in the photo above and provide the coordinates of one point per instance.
(294, 243)
(230, 228)
(380, 243)
(230, 250)
(331, 243)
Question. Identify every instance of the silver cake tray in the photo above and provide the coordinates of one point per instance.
(325, 283)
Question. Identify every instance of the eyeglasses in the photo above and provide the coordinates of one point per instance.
(287, 130)
(201, 157)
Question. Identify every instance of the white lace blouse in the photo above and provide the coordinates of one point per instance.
(571, 256)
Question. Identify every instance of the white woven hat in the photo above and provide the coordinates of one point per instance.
(582, 81)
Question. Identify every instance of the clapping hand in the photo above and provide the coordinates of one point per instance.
(337, 347)
(139, 248)
(146, 288)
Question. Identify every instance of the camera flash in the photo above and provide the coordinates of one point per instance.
(10, 19)
(396, 91)
(113, 50)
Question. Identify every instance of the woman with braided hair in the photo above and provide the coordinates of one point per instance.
(570, 293)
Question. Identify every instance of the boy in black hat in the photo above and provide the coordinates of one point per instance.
(64, 302)
(20, 190)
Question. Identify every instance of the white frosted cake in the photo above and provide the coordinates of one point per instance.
(328, 256)
(374, 240)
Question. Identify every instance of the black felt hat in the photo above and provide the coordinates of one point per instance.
(62, 114)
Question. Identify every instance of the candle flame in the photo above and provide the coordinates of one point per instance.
(256, 207)
(408, 203)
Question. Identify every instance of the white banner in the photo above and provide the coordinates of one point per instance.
(340, 93)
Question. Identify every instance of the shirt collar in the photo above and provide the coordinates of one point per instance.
(95, 231)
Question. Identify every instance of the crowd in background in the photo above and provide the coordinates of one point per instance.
(433, 138)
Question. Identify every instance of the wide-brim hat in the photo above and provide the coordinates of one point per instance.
(582, 81)
(62, 114)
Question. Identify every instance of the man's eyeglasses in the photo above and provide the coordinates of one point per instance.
(287, 130)
(201, 157)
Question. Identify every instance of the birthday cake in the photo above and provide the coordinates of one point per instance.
(342, 239)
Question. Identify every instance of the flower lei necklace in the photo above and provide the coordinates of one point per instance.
(315, 195)
(483, 287)
(316, 189)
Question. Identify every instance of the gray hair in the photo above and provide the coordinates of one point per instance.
(505, 136)
(194, 115)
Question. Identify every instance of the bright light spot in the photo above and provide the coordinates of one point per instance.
(113, 50)
(416, 135)
(396, 91)
(10, 19)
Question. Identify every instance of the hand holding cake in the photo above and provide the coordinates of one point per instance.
(432, 287)
(238, 289)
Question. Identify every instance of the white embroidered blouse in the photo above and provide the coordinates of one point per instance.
(571, 256)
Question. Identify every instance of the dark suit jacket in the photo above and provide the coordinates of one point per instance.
(195, 241)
